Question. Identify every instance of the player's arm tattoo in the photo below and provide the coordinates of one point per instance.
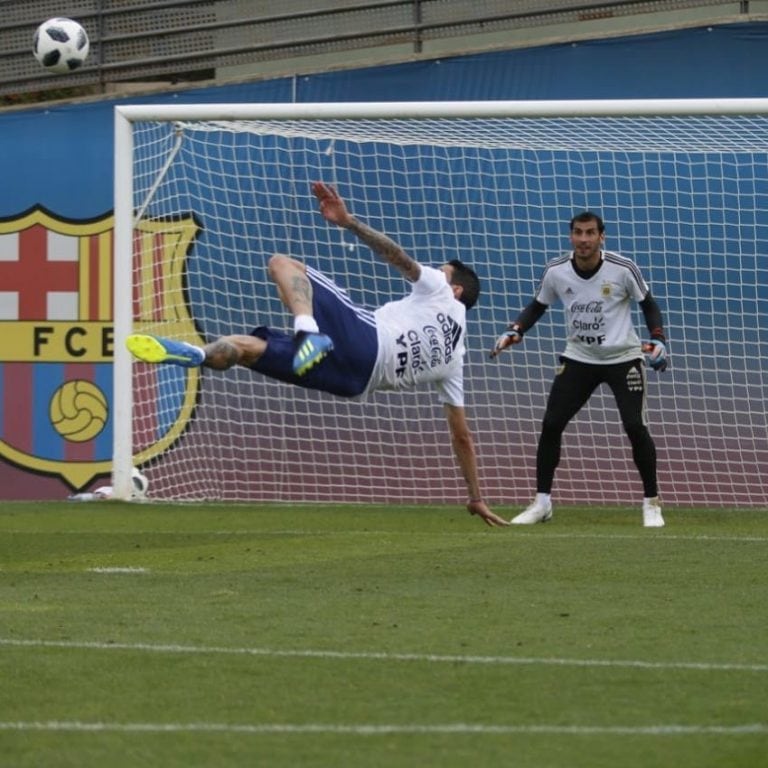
(386, 248)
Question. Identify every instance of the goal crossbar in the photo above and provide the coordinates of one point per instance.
(444, 109)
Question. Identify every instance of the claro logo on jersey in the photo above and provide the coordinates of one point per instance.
(57, 339)
(588, 321)
(442, 340)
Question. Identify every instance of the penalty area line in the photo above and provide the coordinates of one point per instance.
(366, 729)
(385, 657)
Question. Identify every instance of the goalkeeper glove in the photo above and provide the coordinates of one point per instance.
(513, 335)
(657, 354)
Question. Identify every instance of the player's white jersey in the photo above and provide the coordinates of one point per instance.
(421, 339)
(598, 310)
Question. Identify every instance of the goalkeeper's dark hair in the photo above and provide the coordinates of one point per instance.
(468, 280)
(586, 216)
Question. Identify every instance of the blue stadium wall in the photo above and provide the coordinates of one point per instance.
(58, 162)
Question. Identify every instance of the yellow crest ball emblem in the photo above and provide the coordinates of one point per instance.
(78, 410)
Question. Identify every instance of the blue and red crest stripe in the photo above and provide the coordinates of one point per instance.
(26, 391)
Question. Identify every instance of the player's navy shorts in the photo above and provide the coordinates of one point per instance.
(347, 369)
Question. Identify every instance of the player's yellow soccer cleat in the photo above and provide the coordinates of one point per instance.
(157, 349)
(311, 348)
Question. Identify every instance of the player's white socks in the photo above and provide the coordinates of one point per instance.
(544, 498)
(305, 323)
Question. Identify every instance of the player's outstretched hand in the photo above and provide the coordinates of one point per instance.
(332, 206)
(511, 336)
(480, 508)
(657, 354)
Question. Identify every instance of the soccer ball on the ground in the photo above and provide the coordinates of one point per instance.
(60, 45)
(140, 484)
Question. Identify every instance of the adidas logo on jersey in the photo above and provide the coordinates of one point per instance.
(451, 331)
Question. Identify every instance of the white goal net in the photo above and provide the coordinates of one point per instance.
(205, 195)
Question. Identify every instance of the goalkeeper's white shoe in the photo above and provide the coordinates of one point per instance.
(538, 512)
(652, 517)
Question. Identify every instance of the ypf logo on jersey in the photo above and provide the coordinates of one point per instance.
(57, 342)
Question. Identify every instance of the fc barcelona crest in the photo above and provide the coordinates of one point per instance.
(57, 341)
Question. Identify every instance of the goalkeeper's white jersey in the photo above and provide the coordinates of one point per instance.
(598, 309)
(421, 339)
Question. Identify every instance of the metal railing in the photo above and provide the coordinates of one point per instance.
(177, 41)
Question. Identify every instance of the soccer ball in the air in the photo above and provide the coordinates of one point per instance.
(60, 45)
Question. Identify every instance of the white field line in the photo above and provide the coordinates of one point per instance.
(486, 535)
(660, 535)
(656, 535)
(365, 729)
(537, 532)
(380, 656)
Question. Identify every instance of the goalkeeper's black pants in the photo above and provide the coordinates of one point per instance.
(573, 386)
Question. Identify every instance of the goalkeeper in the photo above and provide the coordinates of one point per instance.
(597, 289)
(348, 351)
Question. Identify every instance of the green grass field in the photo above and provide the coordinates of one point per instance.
(277, 635)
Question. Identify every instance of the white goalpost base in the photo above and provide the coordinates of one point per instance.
(205, 194)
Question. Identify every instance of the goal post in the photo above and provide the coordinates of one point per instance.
(205, 194)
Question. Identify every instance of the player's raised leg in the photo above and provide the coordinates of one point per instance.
(158, 349)
(295, 291)
(222, 354)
